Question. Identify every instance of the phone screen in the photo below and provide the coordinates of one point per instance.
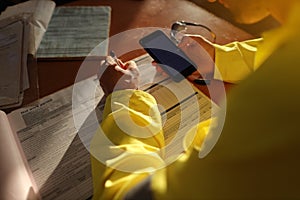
(171, 58)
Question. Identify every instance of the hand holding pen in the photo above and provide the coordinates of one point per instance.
(116, 59)
(117, 75)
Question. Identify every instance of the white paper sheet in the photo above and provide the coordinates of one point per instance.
(40, 12)
(16, 182)
(76, 31)
(12, 63)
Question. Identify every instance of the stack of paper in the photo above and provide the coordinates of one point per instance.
(21, 31)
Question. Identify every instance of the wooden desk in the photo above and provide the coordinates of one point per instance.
(130, 14)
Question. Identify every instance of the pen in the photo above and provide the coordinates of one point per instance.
(114, 56)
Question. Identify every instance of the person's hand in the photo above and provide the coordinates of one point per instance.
(114, 77)
(201, 52)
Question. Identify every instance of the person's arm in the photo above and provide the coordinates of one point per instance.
(236, 60)
(231, 62)
(126, 148)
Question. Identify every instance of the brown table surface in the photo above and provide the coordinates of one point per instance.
(129, 14)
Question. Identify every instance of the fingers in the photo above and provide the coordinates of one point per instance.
(115, 66)
(159, 69)
(120, 63)
(116, 75)
(130, 65)
(129, 68)
(132, 71)
(192, 44)
(110, 61)
(130, 76)
(192, 40)
(188, 45)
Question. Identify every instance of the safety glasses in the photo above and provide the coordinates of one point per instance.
(179, 29)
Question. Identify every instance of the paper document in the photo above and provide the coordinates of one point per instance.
(13, 67)
(16, 180)
(21, 29)
(39, 12)
(56, 153)
(76, 31)
(59, 162)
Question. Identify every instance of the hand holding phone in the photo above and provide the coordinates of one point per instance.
(202, 53)
(170, 57)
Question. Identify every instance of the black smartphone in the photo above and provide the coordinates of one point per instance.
(166, 53)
